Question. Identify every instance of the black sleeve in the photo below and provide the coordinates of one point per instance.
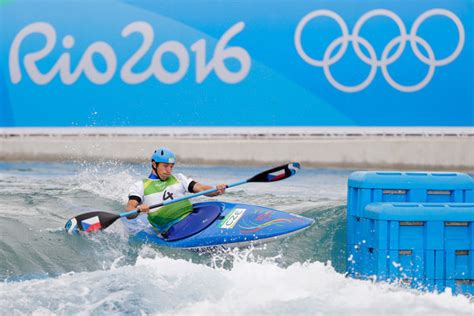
(135, 198)
(191, 186)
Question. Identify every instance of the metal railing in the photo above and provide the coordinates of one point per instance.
(240, 132)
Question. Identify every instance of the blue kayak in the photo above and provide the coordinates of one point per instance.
(221, 224)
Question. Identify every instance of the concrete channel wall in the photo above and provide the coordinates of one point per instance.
(410, 148)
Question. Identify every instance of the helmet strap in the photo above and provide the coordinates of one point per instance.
(155, 168)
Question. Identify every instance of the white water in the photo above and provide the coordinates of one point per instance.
(48, 272)
(174, 286)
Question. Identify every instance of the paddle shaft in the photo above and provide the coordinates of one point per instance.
(133, 212)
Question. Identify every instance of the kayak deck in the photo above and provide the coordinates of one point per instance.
(222, 224)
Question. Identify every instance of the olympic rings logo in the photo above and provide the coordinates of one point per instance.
(385, 60)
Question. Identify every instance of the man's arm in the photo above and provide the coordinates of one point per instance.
(198, 187)
(135, 198)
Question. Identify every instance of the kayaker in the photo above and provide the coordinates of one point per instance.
(161, 185)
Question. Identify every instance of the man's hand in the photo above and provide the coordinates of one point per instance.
(221, 188)
(133, 205)
(198, 187)
(143, 208)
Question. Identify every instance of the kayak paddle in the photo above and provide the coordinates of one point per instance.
(91, 221)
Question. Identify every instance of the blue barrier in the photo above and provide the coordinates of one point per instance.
(432, 226)
(380, 186)
(420, 245)
(365, 187)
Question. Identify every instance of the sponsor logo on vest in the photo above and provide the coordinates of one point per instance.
(232, 218)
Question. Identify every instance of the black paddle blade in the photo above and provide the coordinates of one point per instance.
(278, 173)
(90, 221)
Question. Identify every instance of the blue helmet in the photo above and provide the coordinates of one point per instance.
(163, 155)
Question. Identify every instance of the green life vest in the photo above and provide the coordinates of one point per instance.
(168, 215)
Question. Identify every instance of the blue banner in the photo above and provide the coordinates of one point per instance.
(236, 63)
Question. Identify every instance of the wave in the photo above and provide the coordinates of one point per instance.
(163, 285)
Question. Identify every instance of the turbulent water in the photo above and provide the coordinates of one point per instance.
(45, 271)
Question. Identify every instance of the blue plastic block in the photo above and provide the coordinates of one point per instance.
(354, 261)
(430, 264)
(434, 264)
(410, 235)
(411, 264)
(410, 180)
(374, 263)
(383, 234)
(391, 196)
(447, 212)
(461, 286)
(364, 197)
(422, 212)
(449, 264)
(376, 233)
(440, 259)
(393, 265)
(435, 285)
(366, 187)
(351, 201)
(429, 226)
(468, 196)
(434, 230)
(458, 235)
(444, 196)
(416, 195)
(459, 264)
(460, 196)
(355, 230)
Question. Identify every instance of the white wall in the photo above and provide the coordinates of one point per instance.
(422, 148)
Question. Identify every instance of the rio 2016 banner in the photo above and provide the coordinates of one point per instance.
(236, 63)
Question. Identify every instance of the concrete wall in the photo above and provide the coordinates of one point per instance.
(419, 148)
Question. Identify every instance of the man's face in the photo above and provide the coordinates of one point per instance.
(164, 170)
